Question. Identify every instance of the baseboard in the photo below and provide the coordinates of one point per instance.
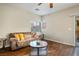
(60, 42)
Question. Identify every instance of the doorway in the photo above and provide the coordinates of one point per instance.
(77, 30)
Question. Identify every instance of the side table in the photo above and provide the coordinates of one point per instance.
(3, 45)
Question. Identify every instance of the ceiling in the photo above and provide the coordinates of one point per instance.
(44, 8)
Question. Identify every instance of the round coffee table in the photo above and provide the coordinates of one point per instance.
(38, 44)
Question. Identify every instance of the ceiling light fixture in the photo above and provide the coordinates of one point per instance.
(37, 9)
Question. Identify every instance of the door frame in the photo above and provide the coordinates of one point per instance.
(74, 16)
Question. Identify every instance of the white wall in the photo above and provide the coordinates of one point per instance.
(14, 19)
(60, 26)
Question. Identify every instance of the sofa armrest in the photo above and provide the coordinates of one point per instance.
(1, 43)
(13, 43)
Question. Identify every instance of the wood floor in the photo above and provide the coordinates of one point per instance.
(54, 49)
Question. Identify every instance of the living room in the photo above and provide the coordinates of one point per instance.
(57, 28)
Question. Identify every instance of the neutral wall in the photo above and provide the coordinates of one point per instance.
(60, 26)
(14, 19)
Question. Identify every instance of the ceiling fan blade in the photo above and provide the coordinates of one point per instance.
(51, 5)
(39, 4)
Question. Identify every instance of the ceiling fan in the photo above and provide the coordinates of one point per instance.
(50, 4)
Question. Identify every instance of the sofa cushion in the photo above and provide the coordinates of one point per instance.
(22, 43)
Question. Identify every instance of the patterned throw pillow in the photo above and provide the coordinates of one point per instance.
(27, 36)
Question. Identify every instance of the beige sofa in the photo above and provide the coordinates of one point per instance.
(29, 36)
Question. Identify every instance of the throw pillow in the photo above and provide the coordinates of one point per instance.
(22, 36)
(17, 36)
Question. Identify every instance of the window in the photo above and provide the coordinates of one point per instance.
(36, 26)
